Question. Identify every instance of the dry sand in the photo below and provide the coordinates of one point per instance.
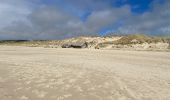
(28, 73)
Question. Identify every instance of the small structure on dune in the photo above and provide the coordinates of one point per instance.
(75, 45)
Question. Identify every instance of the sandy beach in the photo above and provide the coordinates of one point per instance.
(28, 73)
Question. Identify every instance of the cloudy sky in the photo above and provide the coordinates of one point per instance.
(58, 19)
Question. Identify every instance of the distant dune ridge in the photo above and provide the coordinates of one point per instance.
(134, 42)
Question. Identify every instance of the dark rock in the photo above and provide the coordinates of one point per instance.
(66, 46)
(75, 45)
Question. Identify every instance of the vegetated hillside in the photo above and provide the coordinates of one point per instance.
(134, 41)
(139, 39)
(138, 42)
(168, 40)
(35, 43)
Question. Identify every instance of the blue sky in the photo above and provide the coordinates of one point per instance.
(58, 19)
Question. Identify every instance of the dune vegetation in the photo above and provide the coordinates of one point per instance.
(124, 41)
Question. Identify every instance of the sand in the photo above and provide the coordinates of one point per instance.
(28, 73)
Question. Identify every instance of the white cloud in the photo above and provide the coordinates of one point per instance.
(25, 19)
(151, 22)
(100, 19)
(11, 13)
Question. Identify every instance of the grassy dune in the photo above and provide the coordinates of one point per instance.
(140, 38)
(97, 42)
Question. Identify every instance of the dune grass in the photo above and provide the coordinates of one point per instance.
(125, 40)
(140, 38)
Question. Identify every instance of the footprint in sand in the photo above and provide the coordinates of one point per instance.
(39, 94)
(24, 98)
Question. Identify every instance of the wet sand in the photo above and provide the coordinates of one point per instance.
(28, 73)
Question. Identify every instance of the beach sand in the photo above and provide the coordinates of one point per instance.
(34, 73)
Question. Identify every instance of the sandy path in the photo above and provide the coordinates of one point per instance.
(71, 74)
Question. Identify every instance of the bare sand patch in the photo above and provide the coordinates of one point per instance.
(28, 73)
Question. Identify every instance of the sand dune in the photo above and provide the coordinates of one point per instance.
(28, 73)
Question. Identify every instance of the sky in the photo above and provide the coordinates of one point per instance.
(59, 19)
